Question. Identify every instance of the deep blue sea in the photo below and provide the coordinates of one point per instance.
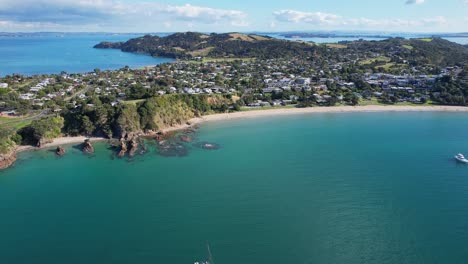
(354, 188)
(52, 53)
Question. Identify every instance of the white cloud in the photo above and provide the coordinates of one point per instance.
(306, 17)
(415, 2)
(114, 13)
(325, 19)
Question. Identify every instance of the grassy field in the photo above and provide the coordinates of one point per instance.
(12, 122)
(374, 101)
(247, 109)
(336, 46)
(408, 47)
(205, 60)
(374, 60)
(425, 39)
(134, 102)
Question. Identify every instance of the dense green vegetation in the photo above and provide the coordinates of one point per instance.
(436, 51)
(42, 130)
(152, 114)
(190, 44)
(7, 140)
(161, 112)
(450, 91)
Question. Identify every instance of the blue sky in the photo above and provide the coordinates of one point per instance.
(240, 15)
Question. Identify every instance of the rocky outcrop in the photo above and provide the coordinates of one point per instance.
(185, 138)
(41, 142)
(133, 147)
(87, 147)
(6, 160)
(60, 151)
(123, 148)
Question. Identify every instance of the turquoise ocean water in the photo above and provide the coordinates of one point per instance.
(41, 53)
(322, 188)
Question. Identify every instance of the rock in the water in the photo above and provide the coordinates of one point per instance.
(185, 138)
(60, 151)
(87, 147)
(123, 148)
(172, 149)
(133, 147)
(6, 160)
(207, 145)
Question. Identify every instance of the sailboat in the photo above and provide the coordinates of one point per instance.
(210, 257)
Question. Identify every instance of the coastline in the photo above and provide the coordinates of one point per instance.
(60, 142)
(312, 110)
(264, 113)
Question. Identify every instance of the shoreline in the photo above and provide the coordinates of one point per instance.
(313, 110)
(263, 113)
(61, 141)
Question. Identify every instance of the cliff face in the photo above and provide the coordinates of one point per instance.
(6, 160)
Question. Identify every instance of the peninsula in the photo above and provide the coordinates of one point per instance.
(229, 74)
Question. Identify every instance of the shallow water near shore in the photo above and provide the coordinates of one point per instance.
(320, 188)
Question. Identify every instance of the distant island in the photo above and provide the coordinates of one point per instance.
(293, 35)
(225, 73)
(192, 45)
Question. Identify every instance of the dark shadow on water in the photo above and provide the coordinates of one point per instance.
(172, 149)
(207, 145)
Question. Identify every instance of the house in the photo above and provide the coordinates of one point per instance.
(26, 96)
(4, 85)
(303, 81)
(268, 90)
(188, 90)
(276, 103)
(294, 97)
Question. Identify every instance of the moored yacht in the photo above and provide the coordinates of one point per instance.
(461, 158)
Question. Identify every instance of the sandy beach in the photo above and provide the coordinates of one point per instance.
(312, 110)
(61, 141)
(268, 112)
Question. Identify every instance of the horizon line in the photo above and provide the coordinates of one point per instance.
(245, 32)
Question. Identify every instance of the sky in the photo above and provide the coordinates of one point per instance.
(233, 16)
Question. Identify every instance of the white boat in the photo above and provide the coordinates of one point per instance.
(461, 158)
(210, 257)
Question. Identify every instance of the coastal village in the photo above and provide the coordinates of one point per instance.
(127, 104)
(254, 83)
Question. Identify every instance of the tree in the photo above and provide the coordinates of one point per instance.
(88, 126)
(6, 144)
(43, 130)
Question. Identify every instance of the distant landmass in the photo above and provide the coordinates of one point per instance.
(190, 45)
(294, 35)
